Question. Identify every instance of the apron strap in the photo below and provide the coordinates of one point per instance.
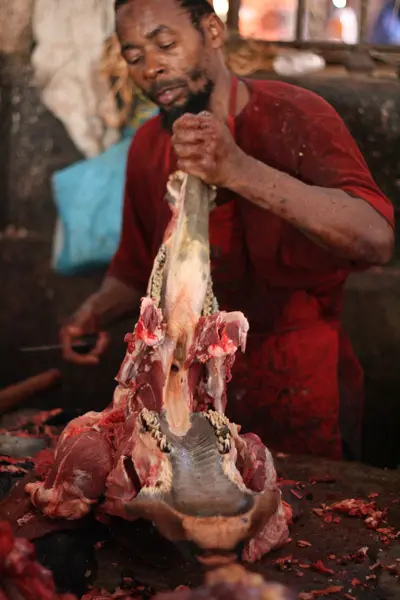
(232, 106)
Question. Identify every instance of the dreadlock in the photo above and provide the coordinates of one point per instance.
(197, 9)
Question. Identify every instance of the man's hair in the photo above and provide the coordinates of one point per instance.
(197, 9)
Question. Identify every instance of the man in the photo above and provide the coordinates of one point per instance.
(297, 211)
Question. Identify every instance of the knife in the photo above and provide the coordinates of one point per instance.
(86, 343)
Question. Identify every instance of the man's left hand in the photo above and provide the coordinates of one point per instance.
(205, 148)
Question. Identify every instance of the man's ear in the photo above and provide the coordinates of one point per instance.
(215, 30)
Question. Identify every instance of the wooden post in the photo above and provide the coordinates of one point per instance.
(232, 19)
(19, 392)
(301, 19)
(362, 32)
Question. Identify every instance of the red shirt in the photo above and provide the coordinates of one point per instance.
(262, 265)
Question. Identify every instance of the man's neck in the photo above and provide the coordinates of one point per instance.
(220, 97)
(219, 101)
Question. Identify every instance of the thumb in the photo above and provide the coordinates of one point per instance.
(73, 330)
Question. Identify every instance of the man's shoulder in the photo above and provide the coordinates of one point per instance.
(146, 134)
(287, 98)
(147, 149)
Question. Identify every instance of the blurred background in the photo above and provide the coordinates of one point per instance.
(67, 115)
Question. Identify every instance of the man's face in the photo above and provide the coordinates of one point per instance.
(168, 58)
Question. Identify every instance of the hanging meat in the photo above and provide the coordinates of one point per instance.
(164, 449)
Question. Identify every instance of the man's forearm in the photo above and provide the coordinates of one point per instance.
(113, 301)
(349, 227)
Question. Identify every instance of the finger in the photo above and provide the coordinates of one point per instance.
(190, 136)
(193, 168)
(206, 114)
(194, 152)
(194, 135)
(67, 336)
(190, 121)
(80, 359)
(102, 343)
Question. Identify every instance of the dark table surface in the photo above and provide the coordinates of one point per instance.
(135, 551)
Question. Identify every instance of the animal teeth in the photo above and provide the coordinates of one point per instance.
(220, 423)
(164, 445)
(151, 424)
(156, 279)
(210, 301)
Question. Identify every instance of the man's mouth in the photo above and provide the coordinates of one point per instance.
(168, 95)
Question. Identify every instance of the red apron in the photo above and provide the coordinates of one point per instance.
(286, 386)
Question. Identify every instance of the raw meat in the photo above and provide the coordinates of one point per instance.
(163, 449)
(21, 577)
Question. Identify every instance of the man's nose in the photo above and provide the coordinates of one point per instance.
(152, 67)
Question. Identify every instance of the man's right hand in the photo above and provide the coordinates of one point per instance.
(81, 324)
(71, 334)
(114, 300)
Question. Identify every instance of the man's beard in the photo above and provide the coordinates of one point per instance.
(195, 103)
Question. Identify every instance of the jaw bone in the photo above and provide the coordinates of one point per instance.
(183, 289)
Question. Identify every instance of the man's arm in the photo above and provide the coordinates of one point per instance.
(125, 282)
(348, 226)
(114, 300)
(334, 202)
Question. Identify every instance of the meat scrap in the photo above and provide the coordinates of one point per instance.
(283, 563)
(358, 508)
(372, 516)
(166, 428)
(393, 569)
(9, 460)
(357, 557)
(13, 469)
(303, 544)
(330, 518)
(334, 589)
(296, 494)
(321, 568)
(20, 575)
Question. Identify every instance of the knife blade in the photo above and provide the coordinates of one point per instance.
(85, 343)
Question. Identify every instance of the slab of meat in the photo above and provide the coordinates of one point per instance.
(164, 449)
